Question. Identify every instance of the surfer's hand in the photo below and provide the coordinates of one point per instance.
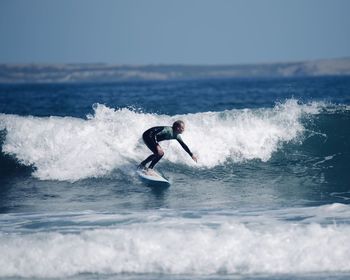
(194, 158)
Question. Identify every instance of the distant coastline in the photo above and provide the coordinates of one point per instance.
(80, 73)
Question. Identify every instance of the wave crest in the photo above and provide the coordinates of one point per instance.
(67, 148)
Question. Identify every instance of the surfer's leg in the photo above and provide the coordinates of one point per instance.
(147, 160)
(157, 157)
(154, 162)
(153, 146)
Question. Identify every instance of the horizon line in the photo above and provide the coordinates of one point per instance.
(175, 64)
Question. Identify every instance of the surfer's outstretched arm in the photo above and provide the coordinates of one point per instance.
(187, 149)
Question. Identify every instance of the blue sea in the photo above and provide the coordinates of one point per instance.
(269, 197)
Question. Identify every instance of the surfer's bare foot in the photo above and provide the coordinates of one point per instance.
(150, 171)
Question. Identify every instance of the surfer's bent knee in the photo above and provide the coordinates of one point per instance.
(160, 151)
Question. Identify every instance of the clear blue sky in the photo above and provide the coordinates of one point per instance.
(173, 31)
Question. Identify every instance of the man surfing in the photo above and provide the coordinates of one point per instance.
(152, 136)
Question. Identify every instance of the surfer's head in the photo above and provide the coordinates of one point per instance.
(179, 126)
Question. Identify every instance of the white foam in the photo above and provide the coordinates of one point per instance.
(171, 244)
(72, 149)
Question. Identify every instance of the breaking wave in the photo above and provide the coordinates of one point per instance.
(67, 148)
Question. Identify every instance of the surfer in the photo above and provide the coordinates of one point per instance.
(152, 136)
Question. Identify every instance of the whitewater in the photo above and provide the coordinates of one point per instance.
(165, 242)
(268, 199)
(111, 139)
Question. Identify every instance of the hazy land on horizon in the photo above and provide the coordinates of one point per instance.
(100, 72)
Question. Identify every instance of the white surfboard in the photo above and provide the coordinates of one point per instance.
(152, 178)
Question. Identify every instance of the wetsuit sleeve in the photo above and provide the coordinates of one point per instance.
(184, 146)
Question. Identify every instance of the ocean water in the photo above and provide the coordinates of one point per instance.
(268, 199)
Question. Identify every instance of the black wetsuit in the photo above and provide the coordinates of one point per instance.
(152, 136)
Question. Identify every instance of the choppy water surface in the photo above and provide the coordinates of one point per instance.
(268, 198)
